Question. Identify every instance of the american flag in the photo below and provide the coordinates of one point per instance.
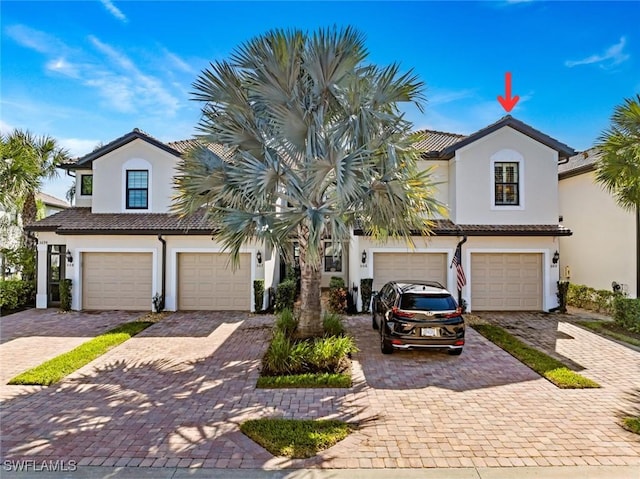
(457, 262)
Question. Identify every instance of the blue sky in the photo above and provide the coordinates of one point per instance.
(86, 72)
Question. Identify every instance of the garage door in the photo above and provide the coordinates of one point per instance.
(206, 282)
(506, 282)
(116, 281)
(412, 266)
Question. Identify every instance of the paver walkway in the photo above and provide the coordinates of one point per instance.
(174, 395)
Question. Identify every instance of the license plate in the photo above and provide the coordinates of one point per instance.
(429, 332)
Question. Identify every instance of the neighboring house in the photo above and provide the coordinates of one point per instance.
(124, 246)
(602, 249)
(11, 223)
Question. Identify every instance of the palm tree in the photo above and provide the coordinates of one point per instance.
(315, 141)
(619, 168)
(27, 161)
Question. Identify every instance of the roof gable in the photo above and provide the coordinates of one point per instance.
(563, 150)
(136, 134)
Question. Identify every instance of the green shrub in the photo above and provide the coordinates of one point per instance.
(17, 293)
(277, 358)
(337, 295)
(584, 297)
(332, 324)
(627, 313)
(366, 287)
(286, 322)
(563, 289)
(328, 354)
(285, 295)
(258, 294)
(65, 294)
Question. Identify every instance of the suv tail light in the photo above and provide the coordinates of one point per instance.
(401, 314)
(456, 313)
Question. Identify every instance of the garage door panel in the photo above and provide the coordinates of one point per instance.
(506, 281)
(207, 282)
(119, 281)
(408, 266)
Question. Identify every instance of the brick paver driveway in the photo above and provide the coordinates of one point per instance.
(175, 394)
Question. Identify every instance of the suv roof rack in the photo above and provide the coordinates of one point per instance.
(412, 284)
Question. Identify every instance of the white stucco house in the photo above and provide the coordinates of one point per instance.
(122, 245)
(603, 247)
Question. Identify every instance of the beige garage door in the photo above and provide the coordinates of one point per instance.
(206, 282)
(412, 266)
(506, 282)
(116, 281)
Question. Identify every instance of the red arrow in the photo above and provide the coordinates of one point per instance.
(508, 102)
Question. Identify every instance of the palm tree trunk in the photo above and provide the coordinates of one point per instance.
(29, 214)
(309, 321)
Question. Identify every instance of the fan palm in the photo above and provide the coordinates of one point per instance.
(618, 170)
(27, 160)
(314, 142)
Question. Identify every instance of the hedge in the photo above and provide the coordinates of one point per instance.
(627, 313)
(585, 297)
(285, 295)
(17, 293)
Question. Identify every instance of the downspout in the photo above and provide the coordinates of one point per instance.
(459, 245)
(164, 271)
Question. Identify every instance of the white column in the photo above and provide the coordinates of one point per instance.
(41, 291)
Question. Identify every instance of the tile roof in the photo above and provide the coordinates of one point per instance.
(448, 228)
(183, 146)
(52, 200)
(507, 120)
(436, 141)
(136, 133)
(580, 163)
(83, 221)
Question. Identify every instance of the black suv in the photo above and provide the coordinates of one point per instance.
(417, 314)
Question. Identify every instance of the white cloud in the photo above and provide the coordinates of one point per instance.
(612, 56)
(35, 39)
(113, 10)
(62, 66)
(178, 62)
(441, 97)
(78, 146)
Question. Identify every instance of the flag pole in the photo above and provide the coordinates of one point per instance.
(459, 246)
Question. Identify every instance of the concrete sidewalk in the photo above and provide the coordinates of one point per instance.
(567, 472)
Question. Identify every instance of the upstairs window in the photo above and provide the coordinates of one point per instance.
(332, 257)
(86, 185)
(507, 183)
(137, 189)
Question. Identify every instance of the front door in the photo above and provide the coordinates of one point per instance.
(56, 262)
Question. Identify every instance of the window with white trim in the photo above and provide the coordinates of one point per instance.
(506, 183)
(137, 194)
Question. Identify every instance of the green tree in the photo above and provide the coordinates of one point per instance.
(314, 142)
(618, 170)
(27, 161)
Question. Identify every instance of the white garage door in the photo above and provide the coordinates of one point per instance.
(409, 266)
(506, 282)
(117, 281)
(206, 282)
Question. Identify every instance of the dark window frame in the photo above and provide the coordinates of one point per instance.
(84, 187)
(502, 185)
(129, 190)
(330, 260)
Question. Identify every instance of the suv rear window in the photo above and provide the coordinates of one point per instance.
(432, 302)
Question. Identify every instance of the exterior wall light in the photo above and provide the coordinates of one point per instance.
(259, 257)
(364, 256)
(556, 257)
(69, 257)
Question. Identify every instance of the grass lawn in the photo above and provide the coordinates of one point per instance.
(307, 380)
(57, 368)
(612, 330)
(296, 438)
(545, 365)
